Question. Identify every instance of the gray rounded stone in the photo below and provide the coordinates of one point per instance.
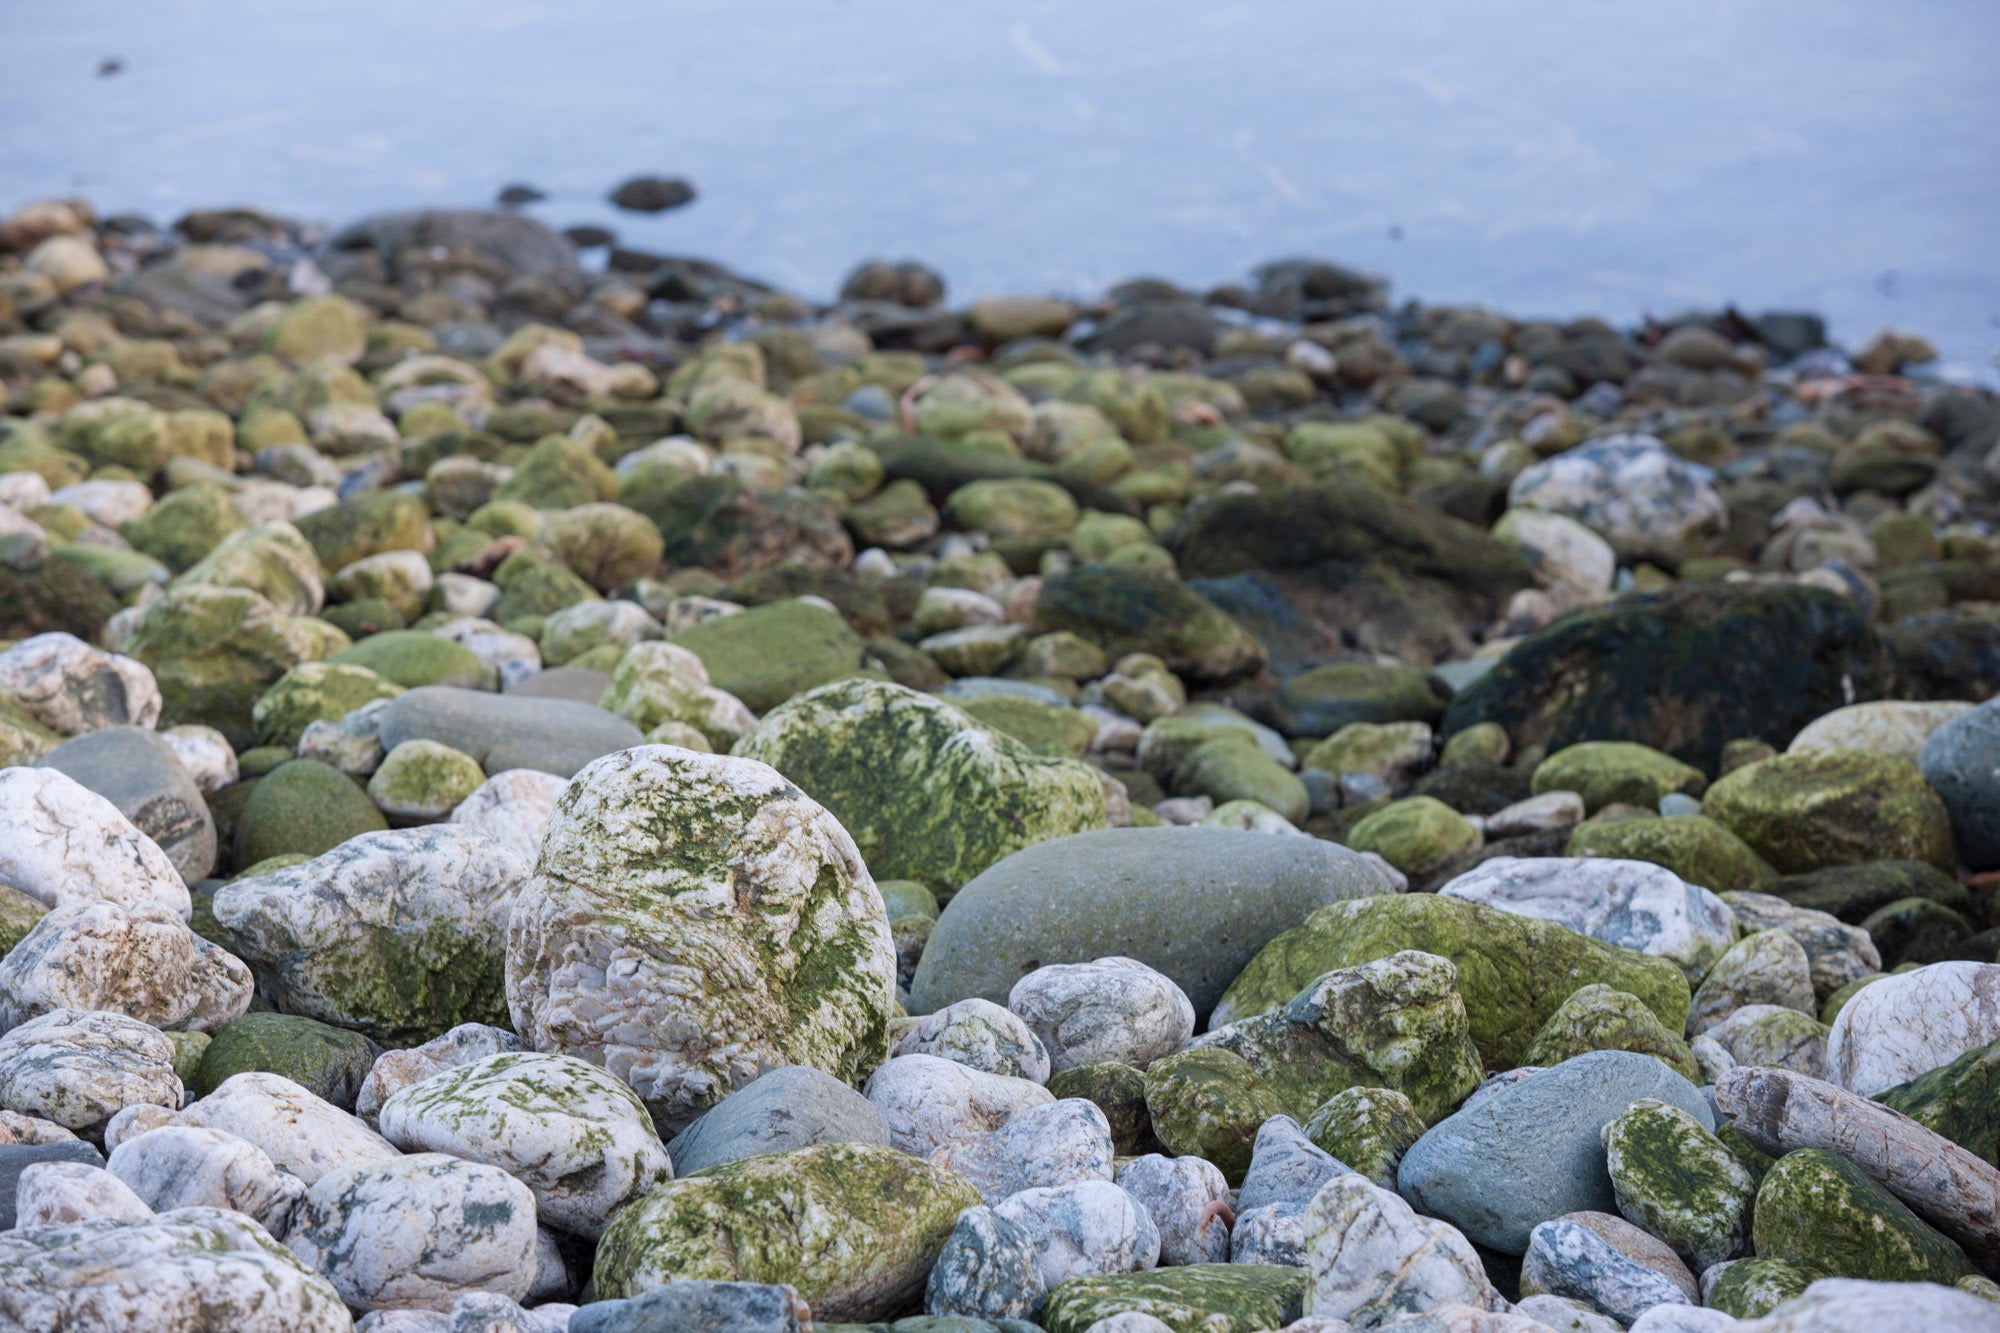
(578, 684)
(502, 731)
(1193, 903)
(1962, 760)
(18, 1157)
(1534, 1149)
(138, 771)
(792, 1107)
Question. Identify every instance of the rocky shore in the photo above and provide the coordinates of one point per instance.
(555, 789)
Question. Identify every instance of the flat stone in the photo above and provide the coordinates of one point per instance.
(502, 731)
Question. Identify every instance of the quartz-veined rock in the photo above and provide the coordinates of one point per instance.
(79, 1068)
(61, 842)
(514, 806)
(1188, 1199)
(1110, 1009)
(1043, 1146)
(395, 1070)
(141, 961)
(185, 1166)
(301, 1133)
(1370, 1257)
(1085, 1228)
(71, 688)
(980, 1035)
(1911, 1022)
(929, 1101)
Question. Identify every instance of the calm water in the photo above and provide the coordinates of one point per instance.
(1553, 157)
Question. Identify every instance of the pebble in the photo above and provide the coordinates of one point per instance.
(787, 1108)
(142, 962)
(929, 1102)
(1109, 1009)
(980, 1035)
(18, 1159)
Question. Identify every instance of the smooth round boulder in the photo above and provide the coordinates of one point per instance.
(61, 842)
(793, 1107)
(503, 731)
(1961, 758)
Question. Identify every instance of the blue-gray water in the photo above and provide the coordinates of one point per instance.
(1553, 157)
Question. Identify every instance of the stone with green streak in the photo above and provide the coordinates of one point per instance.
(1395, 1022)
(925, 790)
(1695, 847)
(1514, 972)
(854, 1227)
(189, 1047)
(1598, 1018)
(185, 525)
(1616, 772)
(1680, 1182)
(327, 1061)
(18, 915)
(302, 806)
(271, 560)
(1802, 812)
(1232, 768)
(215, 650)
(772, 652)
(321, 328)
(414, 657)
(560, 473)
(1017, 508)
(1752, 1288)
(1119, 1091)
(420, 781)
(315, 692)
(1418, 835)
(1819, 1211)
(1368, 1129)
(535, 583)
(1210, 1103)
(366, 525)
(1047, 729)
(1124, 610)
(1193, 1298)
(694, 920)
(1960, 1100)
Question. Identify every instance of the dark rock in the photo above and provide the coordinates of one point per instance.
(514, 196)
(137, 771)
(1855, 892)
(652, 194)
(502, 731)
(903, 283)
(1126, 610)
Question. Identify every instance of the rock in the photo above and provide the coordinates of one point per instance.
(1215, 1298)
(315, 692)
(1040, 1147)
(272, 560)
(1320, 701)
(1567, 1258)
(18, 1159)
(399, 934)
(1394, 1022)
(785, 1109)
(853, 1227)
(1913, 1022)
(1210, 1103)
(1630, 490)
(1855, 892)
(1286, 1170)
(328, 1061)
(1370, 1257)
(768, 654)
(1533, 1151)
(1823, 1213)
(1646, 669)
(979, 1035)
(1783, 1113)
(1188, 1200)
(1513, 971)
(1801, 812)
(1768, 967)
(1598, 1018)
(1368, 1129)
(214, 650)
(421, 782)
(138, 771)
(59, 1193)
(663, 682)
(630, 903)
(1957, 1101)
(303, 1134)
(79, 1068)
(71, 688)
(503, 731)
(514, 807)
(1752, 1288)
(1629, 903)
(1673, 1177)
(61, 843)
(926, 791)
(1124, 610)
(1611, 772)
(414, 658)
(352, 746)
(1568, 559)
(1119, 1091)
(182, 1166)
(1193, 904)
(753, 1307)
(1109, 1009)
(395, 1070)
(140, 961)
(1839, 1305)
(1696, 848)
(192, 1268)
(929, 1102)
(1836, 954)
(418, 1231)
(1418, 836)
(1083, 1229)
(302, 807)
(1893, 728)
(1959, 759)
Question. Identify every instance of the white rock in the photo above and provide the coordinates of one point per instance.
(1056, 1144)
(574, 629)
(1836, 953)
(980, 1035)
(395, 1070)
(205, 753)
(1563, 1315)
(1768, 967)
(1644, 500)
(60, 842)
(1000, 1262)
(1847, 1305)
(1538, 814)
(132, 1122)
(1111, 1010)
(1567, 1258)
(185, 1166)
(574, 1134)
(658, 682)
(353, 744)
(940, 609)
(418, 1231)
(929, 1102)
(70, 687)
(1188, 1200)
(1634, 904)
(1370, 1256)
(108, 502)
(1131, 1321)
(24, 490)
(513, 657)
(79, 1068)
(140, 961)
(33, 1129)
(514, 807)
(1891, 727)
(1565, 556)
(1909, 1023)
(53, 1194)
(464, 596)
(1287, 1170)
(188, 1271)
(300, 1132)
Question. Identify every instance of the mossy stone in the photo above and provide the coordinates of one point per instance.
(1232, 768)
(605, 545)
(319, 328)
(1045, 728)
(1916, 930)
(1514, 972)
(359, 619)
(534, 583)
(1752, 1288)
(330, 1062)
(188, 1050)
(1136, 611)
(258, 760)
(1834, 807)
(770, 653)
(1854, 892)
(1192, 1298)
(1120, 1092)
(560, 473)
(1680, 1182)
(1418, 835)
(1368, 1129)
(1598, 1018)
(18, 915)
(1481, 744)
(907, 897)
(420, 781)
(1695, 847)
(413, 657)
(1747, 1154)
(315, 692)
(366, 525)
(1210, 1103)
(215, 650)
(303, 806)
(1032, 510)
(185, 525)
(1611, 772)
(1821, 1212)
(124, 572)
(1960, 1100)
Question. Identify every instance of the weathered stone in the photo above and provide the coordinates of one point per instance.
(1109, 1009)
(78, 1068)
(303, 1134)
(1801, 812)
(58, 1193)
(139, 961)
(1210, 1103)
(1957, 1100)
(1215, 1298)
(503, 731)
(1836, 954)
(1369, 1129)
(1894, 728)
(1370, 1257)
(1644, 500)
(1188, 1200)
(696, 1307)
(1616, 772)
(214, 650)
(1567, 1258)
(139, 772)
(1822, 1212)
(1673, 1177)
(395, 1070)
(980, 1035)
(1040, 1147)
(1912, 1022)
(1768, 967)
(61, 843)
(302, 808)
(19, 1158)
(1958, 760)
(788, 1108)
(1598, 1018)
(1695, 847)
(770, 653)
(71, 688)
(929, 1102)
(182, 1166)
(315, 692)
(514, 806)
(1125, 610)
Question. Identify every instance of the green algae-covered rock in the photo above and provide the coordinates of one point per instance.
(1392, 751)
(189, 1047)
(1616, 772)
(1514, 972)
(420, 781)
(18, 915)
(1131, 611)
(1232, 768)
(534, 583)
(1747, 1154)
(694, 920)
(1047, 729)
(1819, 1211)
(926, 792)
(214, 650)
(1680, 1182)
(23, 740)
(185, 525)
(560, 473)
(1210, 1103)
(770, 653)
(1395, 1022)
(1020, 509)
(319, 328)
(1801, 812)
(414, 657)
(366, 525)
(302, 806)
(854, 1227)
(1753, 1288)
(54, 595)
(1418, 835)
(315, 692)
(1695, 847)
(605, 545)
(1193, 1298)
(1368, 1129)
(1916, 930)
(1119, 1091)
(1960, 1100)
(1855, 892)
(271, 560)
(1598, 1018)
(1322, 700)
(328, 1061)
